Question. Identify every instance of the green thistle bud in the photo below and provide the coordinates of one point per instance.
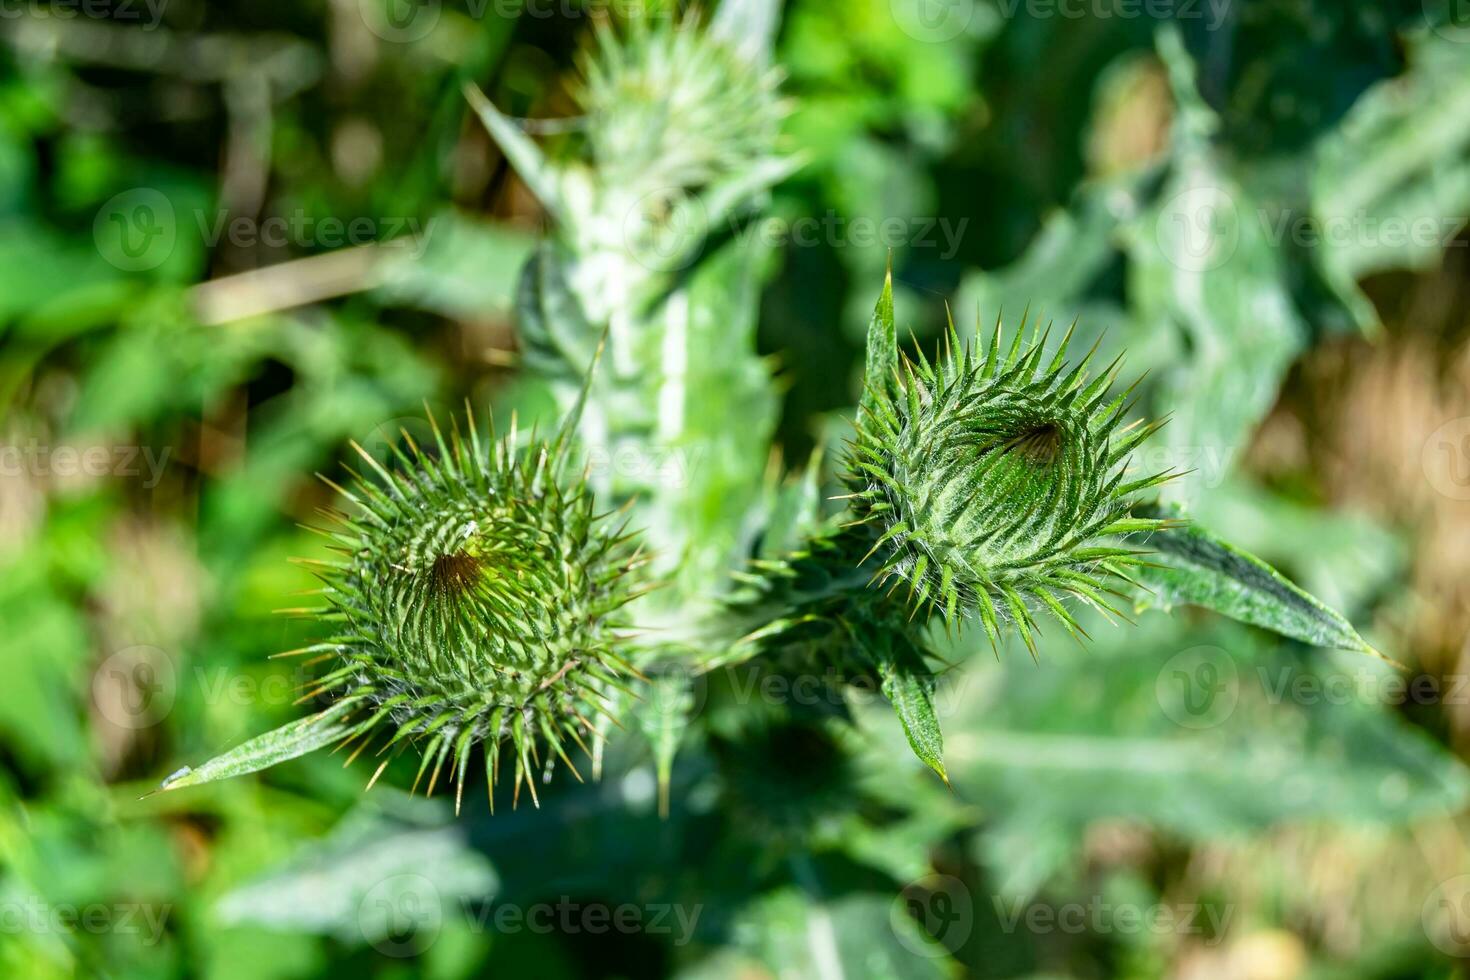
(669, 107)
(679, 128)
(995, 482)
(477, 604)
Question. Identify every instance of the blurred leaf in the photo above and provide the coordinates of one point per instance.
(522, 152)
(1071, 251)
(821, 929)
(373, 866)
(1391, 184)
(55, 267)
(791, 510)
(748, 25)
(1200, 733)
(47, 647)
(1202, 265)
(462, 268)
(662, 713)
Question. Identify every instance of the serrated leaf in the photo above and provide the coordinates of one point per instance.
(287, 742)
(882, 344)
(1195, 567)
(908, 684)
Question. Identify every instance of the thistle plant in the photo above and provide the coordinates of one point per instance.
(481, 601)
(478, 599)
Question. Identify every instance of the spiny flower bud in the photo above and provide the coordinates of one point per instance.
(476, 601)
(995, 482)
(671, 107)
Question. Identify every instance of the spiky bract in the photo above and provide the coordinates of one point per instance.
(994, 482)
(476, 603)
